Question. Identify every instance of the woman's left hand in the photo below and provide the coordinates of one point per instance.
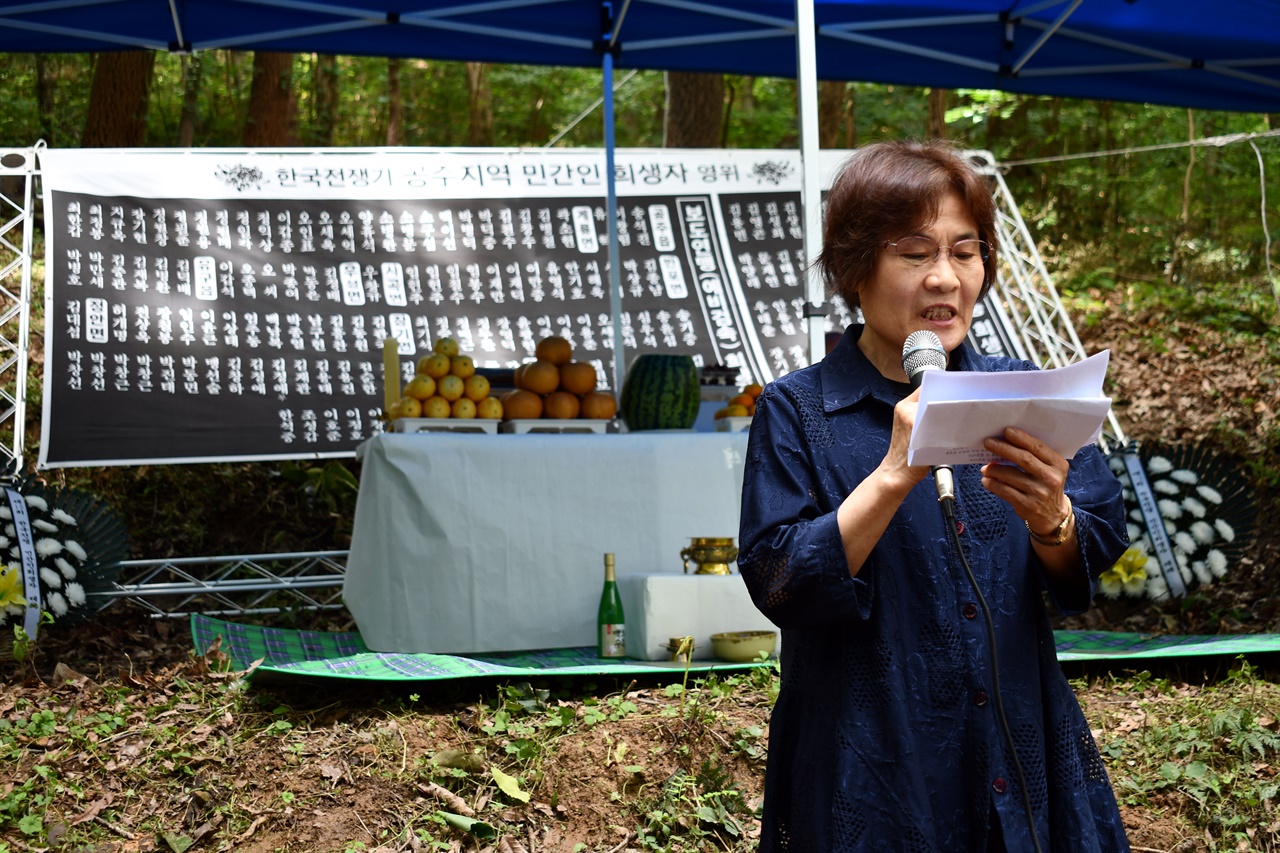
(1033, 484)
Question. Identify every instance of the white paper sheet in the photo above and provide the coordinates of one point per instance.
(1063, 407)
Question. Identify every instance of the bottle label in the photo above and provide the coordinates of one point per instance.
(613, 641)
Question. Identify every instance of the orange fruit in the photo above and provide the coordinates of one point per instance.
(561, 405)
(475, 387)
(743, 400)
(451, 387)
(599, 405)
(463, 408)
(490, 408)
(407, 407)
(521, 405)
(721, 413)
(578, 377)
(420, 387)
(735, 410)
(436, 407)
(462, 366)
(434, 365)
(446, 347)
(754, 389)
(554, 349)
(540, 377)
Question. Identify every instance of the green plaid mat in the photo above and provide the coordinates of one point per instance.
(344, 655)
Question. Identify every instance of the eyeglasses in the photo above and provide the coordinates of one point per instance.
(918, 251)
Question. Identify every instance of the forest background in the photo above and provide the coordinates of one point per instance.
(1152, 221)
(1176, 225)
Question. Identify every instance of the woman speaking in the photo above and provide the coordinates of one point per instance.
(919, 711)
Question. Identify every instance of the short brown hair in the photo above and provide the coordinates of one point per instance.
(886, 191)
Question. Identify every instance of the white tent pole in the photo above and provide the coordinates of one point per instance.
(811, 185)
(611, 214)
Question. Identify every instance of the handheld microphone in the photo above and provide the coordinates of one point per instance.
(922, 351)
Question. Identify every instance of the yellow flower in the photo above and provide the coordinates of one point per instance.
(11, 588)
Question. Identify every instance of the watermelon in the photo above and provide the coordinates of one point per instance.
(661, 392)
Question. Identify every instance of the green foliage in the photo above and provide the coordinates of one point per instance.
(694, 811)
(1211, 752)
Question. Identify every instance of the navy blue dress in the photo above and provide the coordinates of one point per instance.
(885, 735)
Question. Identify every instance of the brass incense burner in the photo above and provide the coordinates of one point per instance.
(713, 554)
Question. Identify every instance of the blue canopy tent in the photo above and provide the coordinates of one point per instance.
(1221, 56)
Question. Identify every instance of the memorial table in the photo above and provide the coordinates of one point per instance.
(470, 543)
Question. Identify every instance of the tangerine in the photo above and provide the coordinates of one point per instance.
(436, 407)
(754, 389)
(463, 408)
(446, 347)
(407, 407)
(462, 366)
(735, 410)
(599, 405)
(540, 377)
(561, 405)
(476, 387)
(578, 377)
(521, 405)
(420, 387)
(450, 387)
(435, 365)
(743, 400)
(554, 349)
(490, 408)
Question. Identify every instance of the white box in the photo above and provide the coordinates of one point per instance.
(665, 605)
(733, 424)
(523, 426)
(412, 425)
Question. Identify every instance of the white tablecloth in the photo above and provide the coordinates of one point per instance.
(476, 543)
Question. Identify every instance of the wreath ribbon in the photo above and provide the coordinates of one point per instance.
(27, 550)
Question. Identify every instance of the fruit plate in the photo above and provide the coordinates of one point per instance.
(733, 424)
(412, 425)
(523, 426)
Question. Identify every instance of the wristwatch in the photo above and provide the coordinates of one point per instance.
(1059, 534)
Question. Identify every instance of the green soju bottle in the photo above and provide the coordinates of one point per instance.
(611, 638)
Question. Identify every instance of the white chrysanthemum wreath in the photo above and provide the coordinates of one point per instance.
(1207, 511)
(77, 544)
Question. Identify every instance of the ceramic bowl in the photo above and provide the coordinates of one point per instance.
(743, 646)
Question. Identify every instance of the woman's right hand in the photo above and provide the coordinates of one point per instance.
(865, 514)
(895, 464)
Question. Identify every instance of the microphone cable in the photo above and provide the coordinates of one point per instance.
(949, 513)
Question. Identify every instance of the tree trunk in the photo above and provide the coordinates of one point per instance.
(273, 111)
(831, 98)
(118, 100)
(46, 86)
(695, 109)
(192, 79)
(937, 125)
(851, 118)
(395, 104)
(480, 103)
(325, 83)
(1175, 253)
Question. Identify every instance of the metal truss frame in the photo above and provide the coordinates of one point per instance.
(19, 169)
(1035, 315)
(243, 585)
